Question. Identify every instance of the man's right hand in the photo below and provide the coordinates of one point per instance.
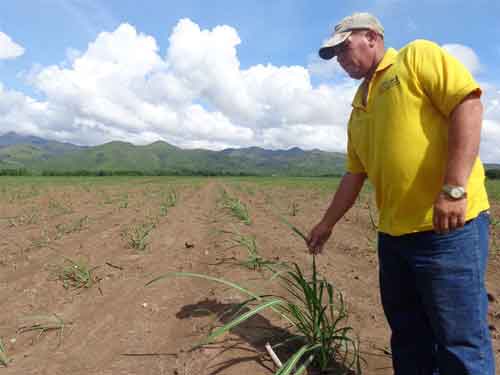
(344, 198)
(318, 237)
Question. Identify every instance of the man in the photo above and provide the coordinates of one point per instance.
(414, 132)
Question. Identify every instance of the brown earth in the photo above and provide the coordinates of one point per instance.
(116, 325)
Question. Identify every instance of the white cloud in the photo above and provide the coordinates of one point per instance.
(21, 113)
(324, 137)
(195, 95)
(327, 69)
(490, 141)
(8, 48)
(466, 55)
(72, 54)
(490, 136)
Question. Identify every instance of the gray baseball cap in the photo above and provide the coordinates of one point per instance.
(345, 28)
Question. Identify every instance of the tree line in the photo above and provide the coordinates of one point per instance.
(103, 173)
(492, 174)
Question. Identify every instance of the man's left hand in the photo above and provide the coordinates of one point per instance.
(448, 214)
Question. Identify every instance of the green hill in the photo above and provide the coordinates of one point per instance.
(21, 155)
(163, 157)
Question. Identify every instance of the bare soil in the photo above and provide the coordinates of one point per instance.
(117, 325)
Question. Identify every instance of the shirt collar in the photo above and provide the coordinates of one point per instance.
(388, 60)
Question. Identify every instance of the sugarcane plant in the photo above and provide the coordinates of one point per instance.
(254, 260)
(316, 314)
(4, 359)
(237, 208)
(43, 324)
(75, 274)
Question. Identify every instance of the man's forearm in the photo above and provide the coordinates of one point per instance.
(344, 197)
(463, 140)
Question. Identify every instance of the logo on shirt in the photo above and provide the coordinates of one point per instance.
(389, 83)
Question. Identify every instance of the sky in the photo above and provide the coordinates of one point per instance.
(214, 74)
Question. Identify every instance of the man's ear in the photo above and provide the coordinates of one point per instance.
(372, 37)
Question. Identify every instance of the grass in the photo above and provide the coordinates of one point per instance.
(307, 183)
(124, 201)
(75, 226)
(138, 235)
(31, 216)
(245, 188)
(296, 230)
(41, 242)
(372, 215)
(237, 208)
(23, 194)
(107, 199)
(75, 274)
(56, 208)
(493, 188)
(43, 324)
(21, 187)
(316, 312)
(169, 200)
(495, 222)
(368, 203)
(294, 208)
(4, 359)
(254, 260)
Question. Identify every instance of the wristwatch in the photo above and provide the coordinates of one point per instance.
(454, 192)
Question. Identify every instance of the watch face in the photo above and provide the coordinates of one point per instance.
(456, 192)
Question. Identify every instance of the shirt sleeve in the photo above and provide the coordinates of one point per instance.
(444, 79)
(353, 163)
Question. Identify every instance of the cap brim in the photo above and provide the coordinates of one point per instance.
(327, 50)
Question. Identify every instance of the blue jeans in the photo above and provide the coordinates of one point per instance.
(434, 298)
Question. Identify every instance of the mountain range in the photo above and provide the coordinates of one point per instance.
(39, 155)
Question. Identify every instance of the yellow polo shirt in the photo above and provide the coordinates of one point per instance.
(399, 139)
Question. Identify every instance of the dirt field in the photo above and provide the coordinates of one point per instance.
(134, 230)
